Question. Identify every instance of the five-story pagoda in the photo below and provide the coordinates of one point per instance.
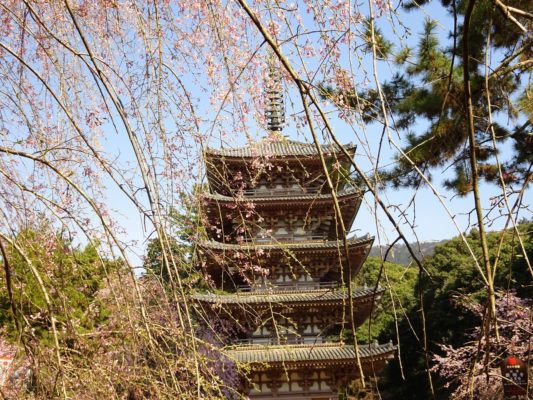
(281, 264)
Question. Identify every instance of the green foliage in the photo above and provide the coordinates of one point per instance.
(176, 255)
(451, 272)
(452, 269)
(430, 88)
(173, 253)
(399, 282)
(383, 46)
(73, 278)
(399, 253)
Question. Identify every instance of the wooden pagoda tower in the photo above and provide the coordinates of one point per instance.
(280, 263)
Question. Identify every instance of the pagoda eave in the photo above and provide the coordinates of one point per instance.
(248, 308)
(283, 150)
(260, 357)
(320, 246)
(222, 259)
(295, 200)
(290, 299)
(219, 206)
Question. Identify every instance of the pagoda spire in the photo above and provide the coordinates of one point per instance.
(275, 107)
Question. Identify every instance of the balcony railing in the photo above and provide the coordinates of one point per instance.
(287, 286)
(281, 191)
(287, 238)
(274, 341)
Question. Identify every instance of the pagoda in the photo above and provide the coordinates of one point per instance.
(281, 264)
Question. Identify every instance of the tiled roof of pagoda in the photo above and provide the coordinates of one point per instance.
(299, 296)
(336, 352)
(281, 148)
(294, 245)
(351, 192)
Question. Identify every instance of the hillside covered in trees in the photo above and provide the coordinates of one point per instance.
(451, 299)
(400, 254)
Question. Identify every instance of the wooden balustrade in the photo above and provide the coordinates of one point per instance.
(275, 341)
(286, 238)
(275, 192)
(287, 286)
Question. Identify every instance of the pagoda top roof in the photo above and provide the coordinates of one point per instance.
(282, 147)
(293, 245)
(308, 352)
(299, 296)
(349, 192)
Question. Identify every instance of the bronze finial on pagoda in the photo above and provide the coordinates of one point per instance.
(275, 107)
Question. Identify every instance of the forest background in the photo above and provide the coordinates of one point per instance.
(105, 108)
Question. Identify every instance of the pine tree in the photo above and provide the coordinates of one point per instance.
(430, 87)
